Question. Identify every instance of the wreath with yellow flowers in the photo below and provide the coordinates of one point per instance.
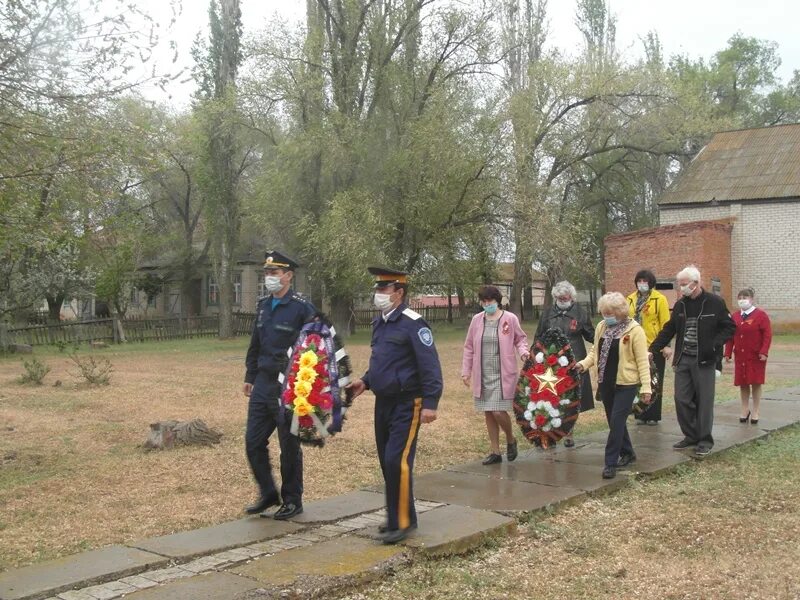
(313, 395)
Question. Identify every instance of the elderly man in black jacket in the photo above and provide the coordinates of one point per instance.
(700, 323)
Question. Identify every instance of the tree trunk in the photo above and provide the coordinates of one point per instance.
(342, 315)
(54, 304)
(225, 282)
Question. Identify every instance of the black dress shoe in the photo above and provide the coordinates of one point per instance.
(745, 419)
(262, 504)
(397, 535)
(385, 527)
(493, 459)
(609, 473)
(287, 511)
(684, 443)
(511, 451)
(625, 460)
(753, 421)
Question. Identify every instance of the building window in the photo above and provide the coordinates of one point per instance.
(151, 301)
(213, 291)
(237, 288)
(134, 296)
(262, 289)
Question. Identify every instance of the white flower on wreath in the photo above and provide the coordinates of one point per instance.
(556, 422)
(534, 425)
(564, 401)
(528, 415)
(554, 412)
(527, 391)
(547, 427)
(563, 361)
(531, 405)
(539, 357)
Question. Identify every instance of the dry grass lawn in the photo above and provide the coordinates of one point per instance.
(73, 475)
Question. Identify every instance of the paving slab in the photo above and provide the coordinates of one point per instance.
(785, 412)
(490, 493)
(729, 436)
(340, 507)
(648, 459)
(535, 469)
(644, 435)
(189, 544)
(214, 586)
(453, 529)
(348, 557)
(792, 393)
(79, 570)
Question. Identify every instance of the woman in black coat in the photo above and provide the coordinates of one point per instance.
(566, 315)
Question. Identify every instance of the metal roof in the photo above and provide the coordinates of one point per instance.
(748, 164)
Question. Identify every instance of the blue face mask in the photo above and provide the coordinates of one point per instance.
(490, 308)
(610, 321)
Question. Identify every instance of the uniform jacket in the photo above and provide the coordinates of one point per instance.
(753, 335)
(714, 328)
(512, 338)
(634, 365)
(404, 363)
(655, 313)
(274, 333)
(575, 324)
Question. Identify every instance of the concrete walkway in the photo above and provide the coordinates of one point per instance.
(334, 542)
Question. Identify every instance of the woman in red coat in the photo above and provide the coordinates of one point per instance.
(750, 344)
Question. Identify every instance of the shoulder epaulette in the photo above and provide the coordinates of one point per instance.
(300, 297)
(412, 314)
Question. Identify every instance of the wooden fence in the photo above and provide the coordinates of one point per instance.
(135, 330)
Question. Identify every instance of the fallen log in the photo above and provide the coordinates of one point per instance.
(168, 434)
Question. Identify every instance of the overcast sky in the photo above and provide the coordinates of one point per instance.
(697, 28)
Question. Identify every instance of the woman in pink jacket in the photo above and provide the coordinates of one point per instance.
(490, 368)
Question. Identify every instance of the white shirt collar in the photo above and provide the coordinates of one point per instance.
(387, 315)
(749, 310)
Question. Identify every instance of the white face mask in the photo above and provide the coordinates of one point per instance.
(744, 303)
(643, 287)
(563, 305)
(687, 290)
(382, 301)
(272, 283)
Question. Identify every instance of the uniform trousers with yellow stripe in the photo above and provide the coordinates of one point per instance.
(397, 422)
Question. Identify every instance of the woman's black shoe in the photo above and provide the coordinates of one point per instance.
(745, 419)
(493, 459)
(511, 451)
(753, 421)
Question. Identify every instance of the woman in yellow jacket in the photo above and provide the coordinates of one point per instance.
(650, 309)
(620, 353)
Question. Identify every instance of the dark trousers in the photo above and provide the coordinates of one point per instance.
(396, 427)
(263, 418)
(653, 413)
(694, 399)
(618, 407)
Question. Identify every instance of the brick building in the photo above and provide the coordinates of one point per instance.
(735, 213)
